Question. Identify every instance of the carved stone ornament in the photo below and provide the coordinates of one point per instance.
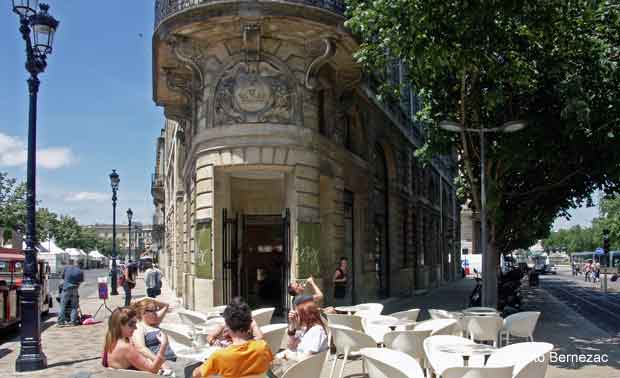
(254, 93)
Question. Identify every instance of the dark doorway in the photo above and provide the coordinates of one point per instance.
(263, 261)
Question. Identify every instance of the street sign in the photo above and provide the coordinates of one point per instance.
(599, 251)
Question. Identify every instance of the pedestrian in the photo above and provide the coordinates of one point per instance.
(152, 280)
(70, 301)
(129, 282)
(587, 270)
(341, 280)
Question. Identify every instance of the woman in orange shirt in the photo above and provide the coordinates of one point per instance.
(120, 353)
(246, 355)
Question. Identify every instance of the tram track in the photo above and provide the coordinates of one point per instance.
(601, 309)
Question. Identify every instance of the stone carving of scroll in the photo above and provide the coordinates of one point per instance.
(254, 92)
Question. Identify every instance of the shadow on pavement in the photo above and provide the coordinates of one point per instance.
(72, 362)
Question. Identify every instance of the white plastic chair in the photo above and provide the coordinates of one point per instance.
(348, 341)
(439, 314)
(273, 334)
(526, 358)
(262, 316)
(216, 311)
(439, 361)
(484, 328)
(478, 372)
(386, 363)
(407, 315)
(450, 327)
(410, 342)
(521, 324)
(122, 373)
(375, 308)
(376, 331)
(310, 367)
(178, 333)
(192, 318)
(350, 321)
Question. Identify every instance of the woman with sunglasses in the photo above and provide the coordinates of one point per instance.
(120, 353)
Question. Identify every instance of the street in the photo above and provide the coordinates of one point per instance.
(586, 298)
(88, 290)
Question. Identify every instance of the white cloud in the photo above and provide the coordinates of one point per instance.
(54, 158)
(87, 196)
(13, 154)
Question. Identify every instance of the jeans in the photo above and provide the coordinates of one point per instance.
(127, 289)
(69, 298)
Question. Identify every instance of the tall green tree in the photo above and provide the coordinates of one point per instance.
(483, 63)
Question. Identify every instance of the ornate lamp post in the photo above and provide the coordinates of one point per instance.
(489, 279)
(37, 29)
(114, 181)
(129, 216)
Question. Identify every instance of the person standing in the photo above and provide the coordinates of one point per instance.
(152, 280)
(341, 280)
(72, 278)
(129, 282)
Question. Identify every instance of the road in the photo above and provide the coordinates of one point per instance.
(87, 289)
(587, 299)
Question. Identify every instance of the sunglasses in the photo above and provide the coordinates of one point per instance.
(132, 323)
(151, 310)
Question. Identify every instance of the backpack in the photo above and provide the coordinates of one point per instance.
(121, 280)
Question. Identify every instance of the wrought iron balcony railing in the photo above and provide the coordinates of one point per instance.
(165, 8)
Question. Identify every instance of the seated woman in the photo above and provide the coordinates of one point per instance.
(310, 339)
(150, 314)
(120, 353)
(247, 355)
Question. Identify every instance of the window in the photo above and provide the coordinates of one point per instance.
(321, 112)
(381, 254)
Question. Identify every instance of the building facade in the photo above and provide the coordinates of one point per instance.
(277, 159)
(141, 236)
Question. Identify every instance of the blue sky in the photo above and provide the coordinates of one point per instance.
(95, 108)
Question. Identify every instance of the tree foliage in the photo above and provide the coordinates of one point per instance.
(12, 203)
(483, 63)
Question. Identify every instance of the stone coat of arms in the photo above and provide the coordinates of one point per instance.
(254, 92)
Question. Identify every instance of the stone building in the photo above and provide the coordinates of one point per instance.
(277, 158)
(140, 234)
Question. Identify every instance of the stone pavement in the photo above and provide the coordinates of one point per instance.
(76, 351)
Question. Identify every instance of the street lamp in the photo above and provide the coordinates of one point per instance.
(489, 284)
(129, 216)
(114, 181)
(37, 29)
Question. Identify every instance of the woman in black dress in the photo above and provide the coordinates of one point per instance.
(341, 279)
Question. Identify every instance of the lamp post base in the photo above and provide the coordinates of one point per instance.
(31, 356)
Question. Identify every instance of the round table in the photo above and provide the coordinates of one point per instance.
(468, 350)
(347, 309)
(196, 354)
(392, 323)
(479, 312)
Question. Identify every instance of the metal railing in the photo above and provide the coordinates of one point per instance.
(165, 8)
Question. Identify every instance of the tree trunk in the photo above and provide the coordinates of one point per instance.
(489, 278)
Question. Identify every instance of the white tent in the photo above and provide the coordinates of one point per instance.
(77, 255)
(537, 248)
(55, 256)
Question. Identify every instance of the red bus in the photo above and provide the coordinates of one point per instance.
(11, 276)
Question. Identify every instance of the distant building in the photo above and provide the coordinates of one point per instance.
(142, 238)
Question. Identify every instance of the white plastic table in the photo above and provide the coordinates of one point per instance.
(348, 309)
(391, 323)
(468, 350)
(198, 355)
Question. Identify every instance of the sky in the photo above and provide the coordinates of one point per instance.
(95, 109)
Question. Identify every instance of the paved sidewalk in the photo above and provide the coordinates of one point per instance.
(75, 352)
